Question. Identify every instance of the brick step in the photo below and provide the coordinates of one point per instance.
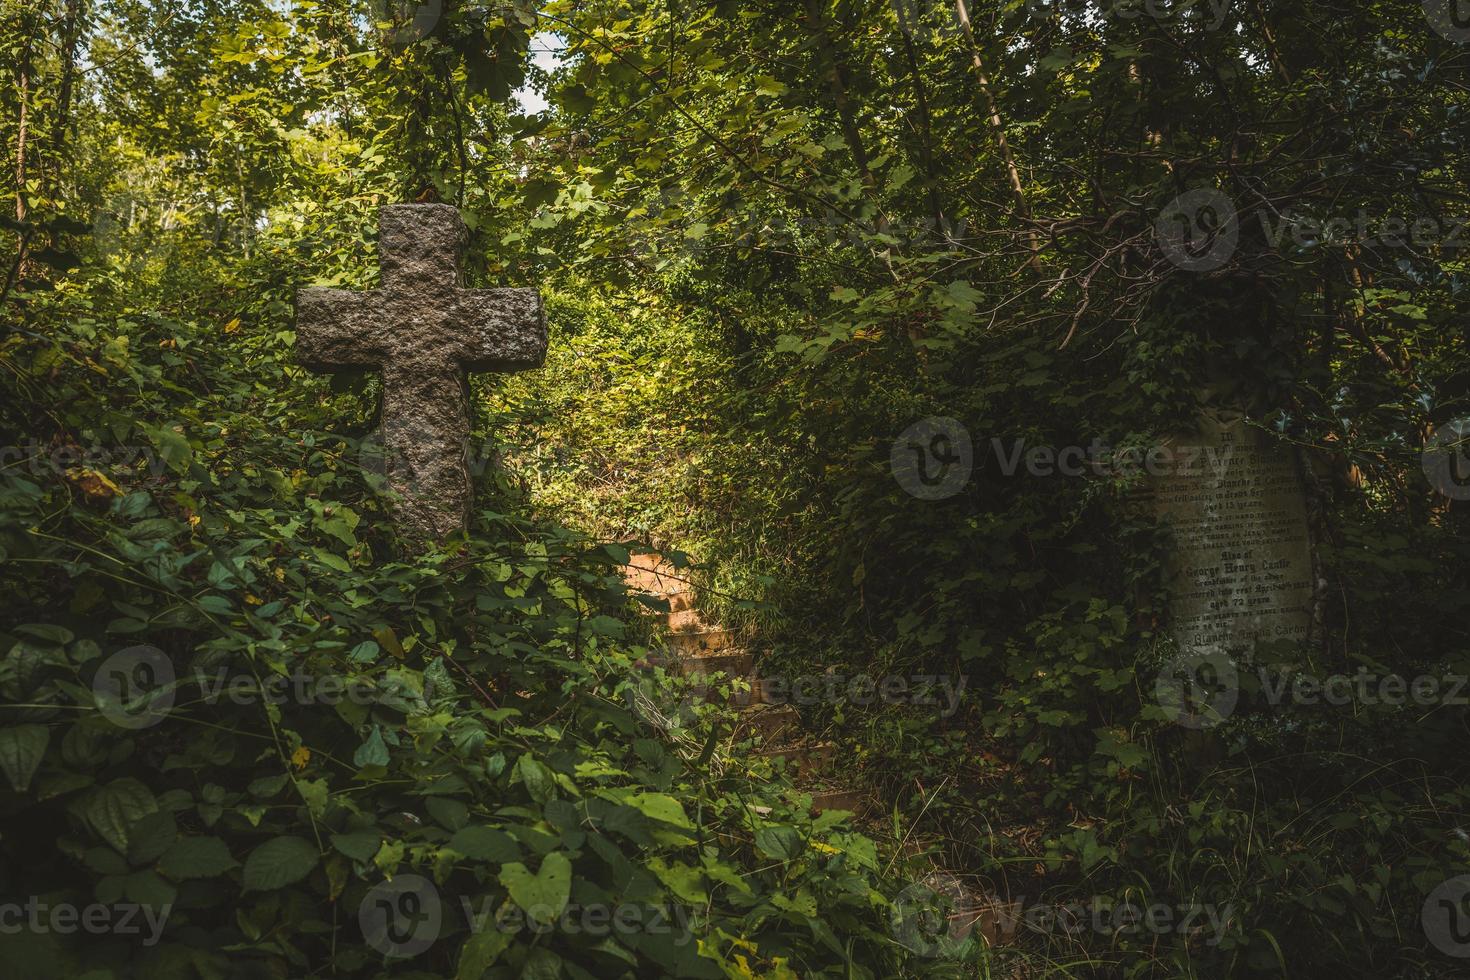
(682, 620)
(696, 642)
(771, 721)
(730, 662)
(854, 800)
(807, 758)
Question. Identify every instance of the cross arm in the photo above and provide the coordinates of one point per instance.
(502, 329)
(338, 329)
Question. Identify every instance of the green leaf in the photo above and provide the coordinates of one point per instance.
(485, 844)
(151, 836)
(360, 845)
(685, 882)
(373, 752)
(543, 895)
(279, 862)
(147, 888)
(21, 749)
(172, 446)
(112, 811)
(660, 806)
(480, 952)
(538, 779)
(783, 843)
(196, 857)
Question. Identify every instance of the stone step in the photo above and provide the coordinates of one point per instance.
(854, 800)
(696, 642)
(806, 758)
(771, 721)
(650, 573)
(682, 620)
(730, 662)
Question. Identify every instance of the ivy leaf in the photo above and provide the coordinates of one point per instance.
(196, 857)
(21, 749)
(538, 779)
(373, 752)
(151, 836)
(662, 807)
(782, 843)
(485, 844)
(112, 811)
(480, 952)
(279, 862)
(360, 845)
(543, 895)
(685, 882)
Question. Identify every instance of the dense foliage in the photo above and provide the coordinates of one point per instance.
(773, 236)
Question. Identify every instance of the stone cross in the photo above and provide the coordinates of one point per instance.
(425, 332)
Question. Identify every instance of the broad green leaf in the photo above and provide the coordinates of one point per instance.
(543, 895)
(279, 862)
(196, 857)
(485, 844)
(373, 752)
(783, 843)
(112, 811)
(480, 952)
(21, 750)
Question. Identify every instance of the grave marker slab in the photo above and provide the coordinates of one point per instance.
(424, 331)
(1241, 571)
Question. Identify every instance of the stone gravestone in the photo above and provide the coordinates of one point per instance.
(424, 331)
(1241, 571)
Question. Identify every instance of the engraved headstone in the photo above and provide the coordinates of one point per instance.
(424, 331)
(1241, 570)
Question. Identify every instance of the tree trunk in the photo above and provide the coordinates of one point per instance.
(926, 121)
(70, 34)
(23, 87)
(837, 82)
(992, 109)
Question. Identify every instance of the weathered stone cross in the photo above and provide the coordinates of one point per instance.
(425, 332)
